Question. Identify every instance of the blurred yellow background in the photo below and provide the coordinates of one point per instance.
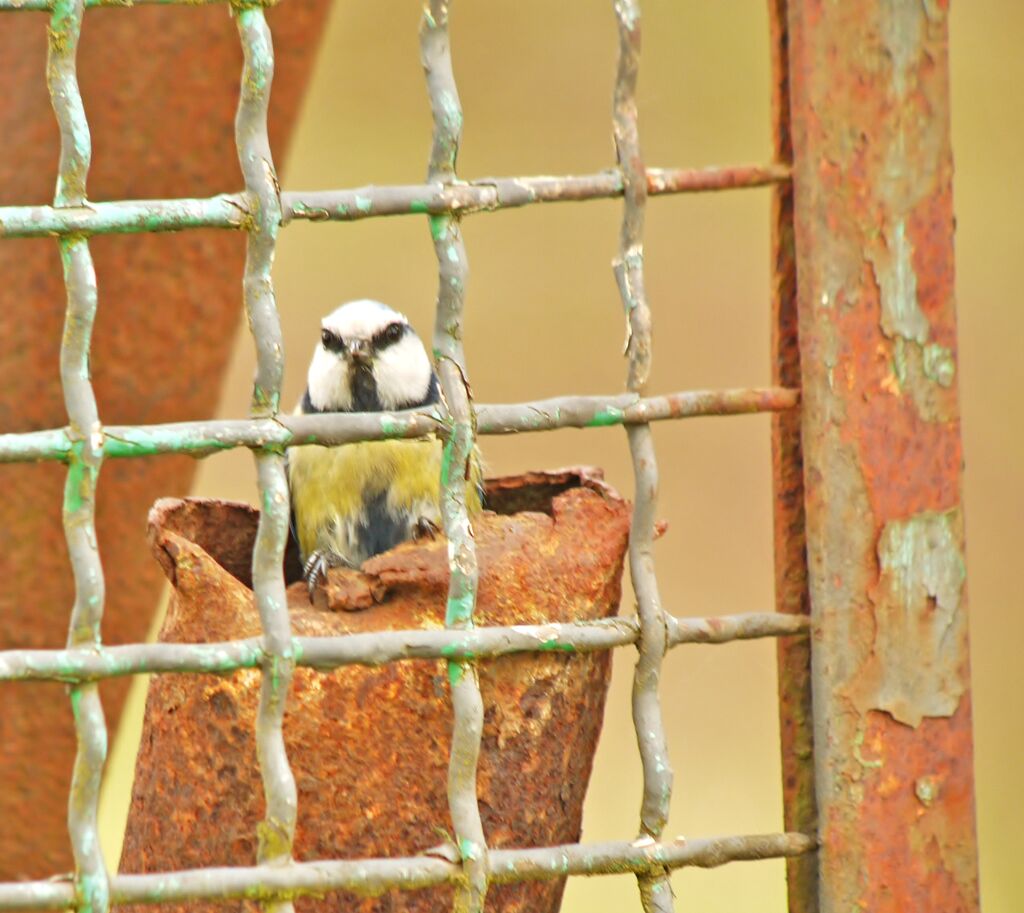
(544, 319)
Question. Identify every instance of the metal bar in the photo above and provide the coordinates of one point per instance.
(128, 216)
(483, 195)
(91, 883)
(492, 194)
(277, 830)
(654, 884)
(45, 6)
(375, 876)
(203, 438)
(873, 219)
(796, 736)
(459, 445)
(93, 663)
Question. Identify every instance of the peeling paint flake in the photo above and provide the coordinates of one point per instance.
(901, 312)
(916, 668)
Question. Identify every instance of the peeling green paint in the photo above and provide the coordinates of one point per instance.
(901, 311)
(460, 608)
(449, 651)
(392, 427)
(438, 226)
(420, 206)
(364, 204)
(455, 672)
(858, 743)
(81, 479)
(608, 416)
(557, 646)
(145, 444)
(939, 365)
(75, 697)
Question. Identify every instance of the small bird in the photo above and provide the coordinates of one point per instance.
(355, 501)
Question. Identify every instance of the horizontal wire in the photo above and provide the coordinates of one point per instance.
(484, 195)
(84, 664)
(45, 6)
(374, 876)
(204, 438)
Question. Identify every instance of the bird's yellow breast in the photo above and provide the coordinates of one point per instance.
(330, 486)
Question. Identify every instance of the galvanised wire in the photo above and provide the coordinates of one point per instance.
(280, 431)
(459, 441)
(483, 195)
(277, 830)
(260, 210)
(373, 649)
(374, 876)
(91, 887)
(655, 886)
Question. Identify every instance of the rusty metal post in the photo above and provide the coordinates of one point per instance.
(791, 593)
(873, 224)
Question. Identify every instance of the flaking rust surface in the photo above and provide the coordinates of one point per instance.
(791, 593)
(369, 746)
(873, 221)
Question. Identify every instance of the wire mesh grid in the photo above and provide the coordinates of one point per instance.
(260, 210)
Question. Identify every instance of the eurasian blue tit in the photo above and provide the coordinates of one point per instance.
(355, 501)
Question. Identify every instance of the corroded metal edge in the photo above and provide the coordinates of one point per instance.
(796, 737)
(873, 221)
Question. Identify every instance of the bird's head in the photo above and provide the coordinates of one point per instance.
(368, 359)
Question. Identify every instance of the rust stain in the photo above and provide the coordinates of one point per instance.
(369, 746)
(873, 222)
(800, 811)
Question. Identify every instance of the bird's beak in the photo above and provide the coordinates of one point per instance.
(359, 351)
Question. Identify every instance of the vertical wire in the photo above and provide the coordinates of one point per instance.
(656, 890)
(92, 886)
(277, 830)
(453, 269)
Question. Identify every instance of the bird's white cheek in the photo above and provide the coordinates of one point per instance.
(403, 374)
(328, 381)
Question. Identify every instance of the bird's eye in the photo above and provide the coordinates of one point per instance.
(331, 342)
(394, 332)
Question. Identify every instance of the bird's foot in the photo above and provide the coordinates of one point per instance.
(425, 528)
(314, 571)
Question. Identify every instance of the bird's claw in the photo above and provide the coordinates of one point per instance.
(425, 528)
(315, 571)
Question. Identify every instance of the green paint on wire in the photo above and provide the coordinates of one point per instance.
(459, 651)
(605, 417)
(438, 226)
(460, 608)
(556, 646)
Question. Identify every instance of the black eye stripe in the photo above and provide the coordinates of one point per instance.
(331, 341)
(391, 334)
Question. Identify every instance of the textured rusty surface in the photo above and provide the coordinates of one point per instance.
(881, 437)
(369, 746)
(160, 88)
(791, 592)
